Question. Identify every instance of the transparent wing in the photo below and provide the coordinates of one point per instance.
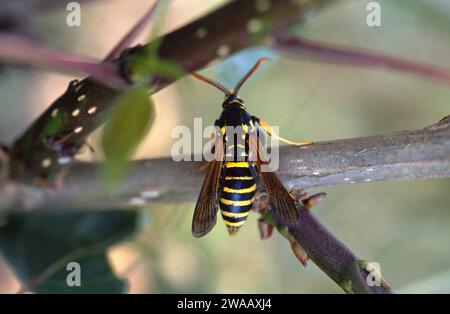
(205, 213)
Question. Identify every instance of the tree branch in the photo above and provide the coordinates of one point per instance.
(225, 31)
(310, 240)
(332, 256)
(419, 154)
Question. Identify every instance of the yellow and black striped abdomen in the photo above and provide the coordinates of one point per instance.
(236, 197)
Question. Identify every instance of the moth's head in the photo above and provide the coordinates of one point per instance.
(233, 100)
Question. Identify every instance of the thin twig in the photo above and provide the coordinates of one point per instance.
(298, 47)
(17, 49)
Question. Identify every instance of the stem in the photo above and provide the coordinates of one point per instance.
(406, 155)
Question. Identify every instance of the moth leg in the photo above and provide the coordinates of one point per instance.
(269, 130)
(292, 195)
(261, 205)
(313, 200)
(299, 252)
(305, 199)
(265, 229)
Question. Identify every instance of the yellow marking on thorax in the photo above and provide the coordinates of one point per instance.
(252, 126)
(238, 102)
(236, 203)
(240, 191)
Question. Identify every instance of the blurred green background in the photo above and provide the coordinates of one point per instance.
(406, 227)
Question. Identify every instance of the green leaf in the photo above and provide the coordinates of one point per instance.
(53, 126)
(39, 246)
(128, 125)
(146, 65)
(158, 25)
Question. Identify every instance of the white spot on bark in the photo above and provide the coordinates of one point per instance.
(148, 194)
(75, 113)
(262, 5)
(92, 110)
(54, 113)
(64, 160)
(46, 163)
(137, 201)
(201, 32)
(78, 129)
(81, 98)
(254, 26)
(223, 51)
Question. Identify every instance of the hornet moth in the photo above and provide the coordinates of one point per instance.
(233, 177)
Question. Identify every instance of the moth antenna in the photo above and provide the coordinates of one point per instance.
(249, 73)
(200, 77)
